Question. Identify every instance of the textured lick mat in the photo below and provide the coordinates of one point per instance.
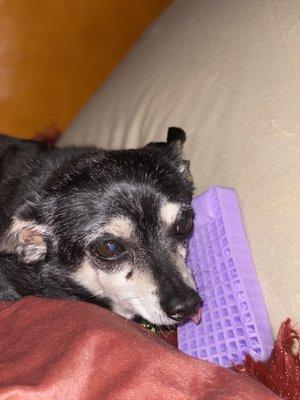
(235, 320)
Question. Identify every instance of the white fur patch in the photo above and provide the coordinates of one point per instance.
(182, 269)
(87, 277)
(182, 251)
(119, 226)
(182, 168)
(169, 211)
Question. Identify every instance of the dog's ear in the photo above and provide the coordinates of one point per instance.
(176, 136)
(26, 239)
(175, 141)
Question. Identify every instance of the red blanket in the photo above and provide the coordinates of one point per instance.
(53, 349)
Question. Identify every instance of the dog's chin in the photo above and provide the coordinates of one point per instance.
(155, 318)
(167, 325)
(161, 320)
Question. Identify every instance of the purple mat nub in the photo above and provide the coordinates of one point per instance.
(234, 318)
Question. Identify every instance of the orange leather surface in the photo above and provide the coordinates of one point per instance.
(54, 54)
(68, 350)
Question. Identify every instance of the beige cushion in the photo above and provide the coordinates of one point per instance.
(228, 72)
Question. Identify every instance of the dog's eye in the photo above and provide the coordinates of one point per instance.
(110, 249)
(184, 226)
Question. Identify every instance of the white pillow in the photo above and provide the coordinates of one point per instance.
(227, 72)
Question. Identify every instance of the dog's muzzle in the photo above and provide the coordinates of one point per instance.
(183, 304)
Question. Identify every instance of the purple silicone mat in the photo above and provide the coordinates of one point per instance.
(234, 317)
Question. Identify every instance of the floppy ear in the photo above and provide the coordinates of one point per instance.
(25, 239)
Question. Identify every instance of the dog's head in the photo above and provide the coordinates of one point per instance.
(117, 223)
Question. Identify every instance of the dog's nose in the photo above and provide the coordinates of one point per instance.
(180, 309)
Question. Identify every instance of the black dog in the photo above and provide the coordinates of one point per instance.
(107, 227)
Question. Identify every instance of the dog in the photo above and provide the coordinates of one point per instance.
(106, 227)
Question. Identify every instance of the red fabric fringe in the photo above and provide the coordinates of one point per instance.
(281, 373)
